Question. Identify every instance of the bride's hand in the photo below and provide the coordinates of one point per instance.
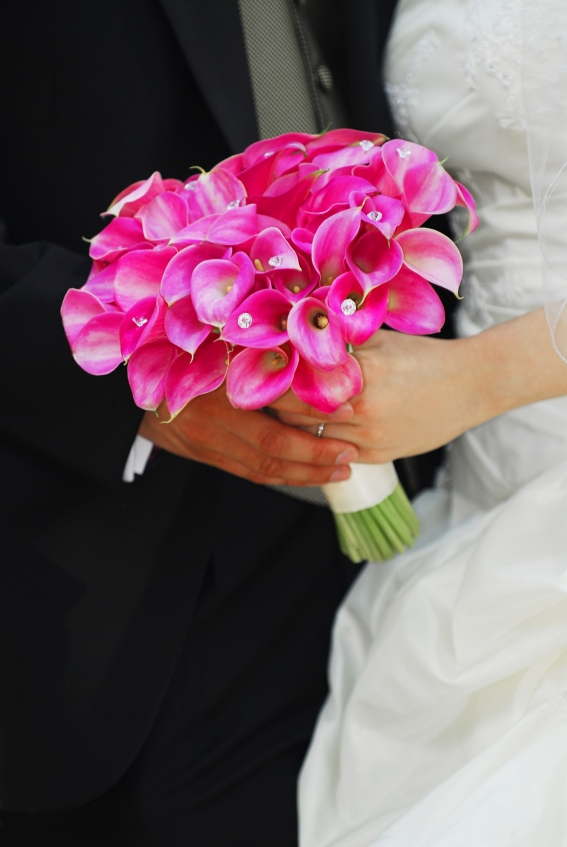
(420, 393)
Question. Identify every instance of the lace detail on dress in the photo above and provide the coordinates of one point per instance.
(503, 291)
(494, 45)
(404, 95)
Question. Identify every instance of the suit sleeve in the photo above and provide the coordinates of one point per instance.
(49, 405)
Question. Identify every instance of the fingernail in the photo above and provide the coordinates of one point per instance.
(340, 474)
(343, 413)
(347, 456)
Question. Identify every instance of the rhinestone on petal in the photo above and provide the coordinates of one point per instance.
(366, 144)
(139, 321)
(403, 152)
(269, 153)
(275, 261)
(375, 216)
(190, 186)
(244, 320)
(233, 204)
(348, 307)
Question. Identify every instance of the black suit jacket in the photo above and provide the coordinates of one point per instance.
(99, 579)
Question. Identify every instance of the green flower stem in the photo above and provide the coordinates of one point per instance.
(378, 533)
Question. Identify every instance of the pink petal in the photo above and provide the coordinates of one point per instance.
(176, 281)
(303, 239)
(432, 255)
(376, 173)
(465, 198)
(271, 251)
(413, 305)
(235, 226)
(265, 222)
(266, 170)
(135, 196)
(371, 310)
(295, 284)
(195, 232)
(382, 212)
(373, 259)
(183, 327)
(147, 370)
(77, 309)
(428, 190)
(121, 235)
(139, 273)
(188, 376)
(327, 391)
(400, 155)
(269, 310)
(336, 192)
(218, 286)
(213, 193)
(284, 207)
(284, 184)
(257, 378)
(336, 138)
(322, 346)
(97, 346)
(135, 321)
(266, 148)
(331, 242)
(101, 284)
(163, 217)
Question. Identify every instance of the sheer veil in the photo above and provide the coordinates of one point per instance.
(544, 82)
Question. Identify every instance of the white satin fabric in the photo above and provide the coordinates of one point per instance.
(446, 724)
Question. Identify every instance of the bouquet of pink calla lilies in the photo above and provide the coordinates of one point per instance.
(265, 272)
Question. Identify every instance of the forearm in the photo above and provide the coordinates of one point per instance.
(512, 365)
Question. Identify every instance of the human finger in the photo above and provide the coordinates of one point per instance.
(289, 403)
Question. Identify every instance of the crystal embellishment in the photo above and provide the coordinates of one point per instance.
(366, 144)
(233, 204)
(269, 153)
(139, 321)
(275, 261)
(348, 307)
(244, 320)
(403, 152)
(190, 186)
(375, 216)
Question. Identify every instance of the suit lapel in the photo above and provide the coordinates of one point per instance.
(210, 36)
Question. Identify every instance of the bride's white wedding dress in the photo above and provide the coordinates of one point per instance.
(447, 721)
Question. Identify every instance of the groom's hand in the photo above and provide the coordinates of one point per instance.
(252, 445)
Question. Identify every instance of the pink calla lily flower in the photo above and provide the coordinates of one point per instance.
(183, 327)
(285, 206)
(259, 321)
(373, 259)
(257, 378)
(117, 238)
(332, 241)
(303, 239)
(147, 369)
(129, 201)
(143, 323)
(176, 280)
(270, 251)
(163, 216)
(359, 316)
(266, 148)
(315, 331)
(335, 196)
(338, 138)
(414, 306)
(433, 256)
(96, 348)
(399, 156)
(190, 376)
(77, 309)
(266, 170)
(213, 193)
(295, 284)
(139, 274)
(325, 390)
(382, 212)
(233, 227)
(101, 284)
(465, 198)
(218, 286)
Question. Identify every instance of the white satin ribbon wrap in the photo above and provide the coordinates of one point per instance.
(368, 485)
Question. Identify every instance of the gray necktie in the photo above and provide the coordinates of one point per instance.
(280, 52)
